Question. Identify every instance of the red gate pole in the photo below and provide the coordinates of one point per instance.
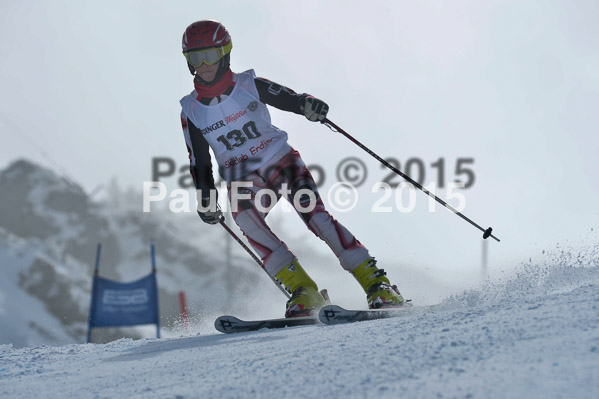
(183, 307)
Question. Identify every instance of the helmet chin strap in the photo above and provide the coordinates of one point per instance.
(223, 66)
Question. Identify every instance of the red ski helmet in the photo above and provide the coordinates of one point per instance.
(204, 35)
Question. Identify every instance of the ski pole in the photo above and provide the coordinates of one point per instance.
(486, 233)
(249, 251)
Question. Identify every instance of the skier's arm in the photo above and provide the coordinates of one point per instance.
(278, 96)
(200, 167)
(285, 99)
(200, 161)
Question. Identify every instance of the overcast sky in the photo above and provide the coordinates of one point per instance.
(91, 89)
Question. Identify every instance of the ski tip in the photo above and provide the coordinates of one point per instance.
(333, 314)
(329, 312)
(224, 324)
(330, 308)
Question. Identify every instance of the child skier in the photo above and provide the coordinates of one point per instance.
(227, 112)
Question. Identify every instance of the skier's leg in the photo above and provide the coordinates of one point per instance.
(293, 171)
(250, 214)
(353, 256)
(250, 217)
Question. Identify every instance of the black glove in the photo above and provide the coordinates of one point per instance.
(209, 213)
(314, 109)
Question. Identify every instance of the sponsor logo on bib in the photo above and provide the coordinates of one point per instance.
(213, 127)
(233, 117)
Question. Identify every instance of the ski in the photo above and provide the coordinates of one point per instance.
(230, 324)
(333, 314)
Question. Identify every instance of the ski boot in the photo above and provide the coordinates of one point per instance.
(379, 291)
(305, 299)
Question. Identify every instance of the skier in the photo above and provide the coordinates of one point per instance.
(227, 112)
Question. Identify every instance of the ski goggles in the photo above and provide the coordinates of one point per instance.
(209, 56)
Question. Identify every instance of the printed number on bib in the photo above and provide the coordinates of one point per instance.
(236, 138)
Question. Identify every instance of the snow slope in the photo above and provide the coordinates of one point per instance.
(534, 334)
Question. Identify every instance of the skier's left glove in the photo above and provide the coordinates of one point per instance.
(209, 213)
(313, 108)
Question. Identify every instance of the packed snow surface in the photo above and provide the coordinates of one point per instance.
(534, 334)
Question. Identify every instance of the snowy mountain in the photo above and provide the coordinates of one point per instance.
(49, 230)
(534, 334)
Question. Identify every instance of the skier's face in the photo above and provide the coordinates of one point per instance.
(207, 72)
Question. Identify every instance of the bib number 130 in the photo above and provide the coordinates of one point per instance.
(238, 138)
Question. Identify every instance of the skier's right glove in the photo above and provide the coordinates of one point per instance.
(209, 213)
